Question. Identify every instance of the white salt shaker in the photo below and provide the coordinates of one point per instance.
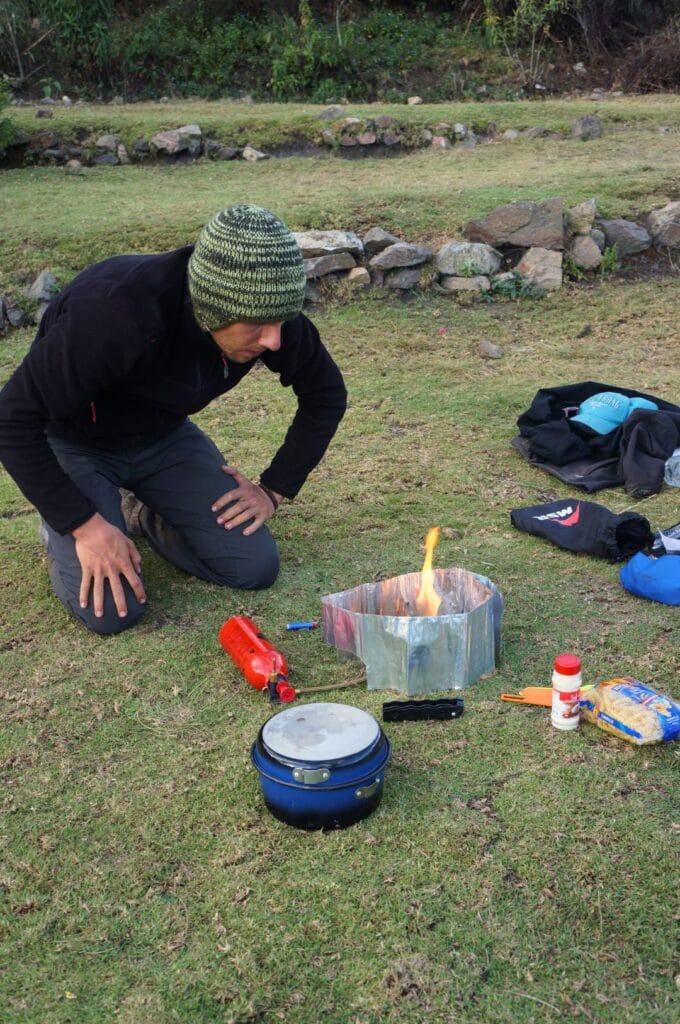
(566, 683)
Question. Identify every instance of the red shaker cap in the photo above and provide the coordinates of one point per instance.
(567, 664)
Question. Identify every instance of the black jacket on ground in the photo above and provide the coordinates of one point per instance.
(119, 362)
(633, 454)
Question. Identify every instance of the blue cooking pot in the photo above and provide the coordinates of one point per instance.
(321, 766)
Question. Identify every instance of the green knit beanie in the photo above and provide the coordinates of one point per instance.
(246, 266)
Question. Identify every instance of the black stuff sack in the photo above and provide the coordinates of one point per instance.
(584, 526)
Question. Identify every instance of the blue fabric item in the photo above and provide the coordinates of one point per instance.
(608, 409)
(657, 579)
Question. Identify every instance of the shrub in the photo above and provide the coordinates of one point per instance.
(6, 129)
(610, 261)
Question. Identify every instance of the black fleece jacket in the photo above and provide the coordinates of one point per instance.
(119, 362)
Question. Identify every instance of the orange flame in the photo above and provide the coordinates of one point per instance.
(428, 600)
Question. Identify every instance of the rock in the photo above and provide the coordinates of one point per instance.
(390, 138)
(227, 152)
(401, 254)
(331, 112)
(47, 139)
(414, 101)
(170, 142)
(319, 266)
(40, 312)
(479, 283)
(459, 130)
(441, 128)
(194, 137)
(585, 252)
(106, 160)
(58, 155)
(348, 140)
(523, 224)
(359, 277)
(599, 239)
(580, 218)
(351, 122)
(626, 235)
(73, 167)
(15, 316)
(367, 138)
(487, 350)
(67, 101)
(109, 143)
(191, 131)
(117, 101)
(328, 137)
(312, 292)
(253, 155)
(164, 99)
(43, 288)
(536, 133)
(664, 225)
(44, 113)
(470, 141)
(588, 127)
(426, 136)
(141, 147)
(542, 267)
(375, 240)
(403, 279)
(326, 243)
(507, 275)
(440, 142)
(459, 257)
(2, 313)
(510, 133)
(580, 68)
(384, 121)
(122, 154)
(247, 99)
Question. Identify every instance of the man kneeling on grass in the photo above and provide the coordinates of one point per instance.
(99, 407)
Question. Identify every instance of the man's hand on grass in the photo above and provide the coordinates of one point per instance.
(245, 502)
(105, 553)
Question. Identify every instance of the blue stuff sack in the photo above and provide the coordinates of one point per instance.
(657, 579)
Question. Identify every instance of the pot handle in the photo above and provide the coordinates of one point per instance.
(365, 792)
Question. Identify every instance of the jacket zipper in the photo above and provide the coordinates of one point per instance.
(93, 412)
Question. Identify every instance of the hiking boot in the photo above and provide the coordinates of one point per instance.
(131, 508)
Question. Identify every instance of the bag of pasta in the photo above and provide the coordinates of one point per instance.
(632, 711)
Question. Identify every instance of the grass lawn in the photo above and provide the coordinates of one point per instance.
(511, 873)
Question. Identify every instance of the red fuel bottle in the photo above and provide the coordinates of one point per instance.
(257, 659)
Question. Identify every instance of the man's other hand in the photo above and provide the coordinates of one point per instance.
(105, 553)
(245, 502)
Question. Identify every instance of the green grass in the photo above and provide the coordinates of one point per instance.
(50, 219)
(511, 874)
(260, 122)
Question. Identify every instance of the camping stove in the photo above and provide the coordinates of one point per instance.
(413, 653)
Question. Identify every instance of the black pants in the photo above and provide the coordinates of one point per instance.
(177, 478)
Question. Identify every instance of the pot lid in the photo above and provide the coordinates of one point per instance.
(320, 733)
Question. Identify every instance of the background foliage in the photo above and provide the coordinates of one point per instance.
(325, 51)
